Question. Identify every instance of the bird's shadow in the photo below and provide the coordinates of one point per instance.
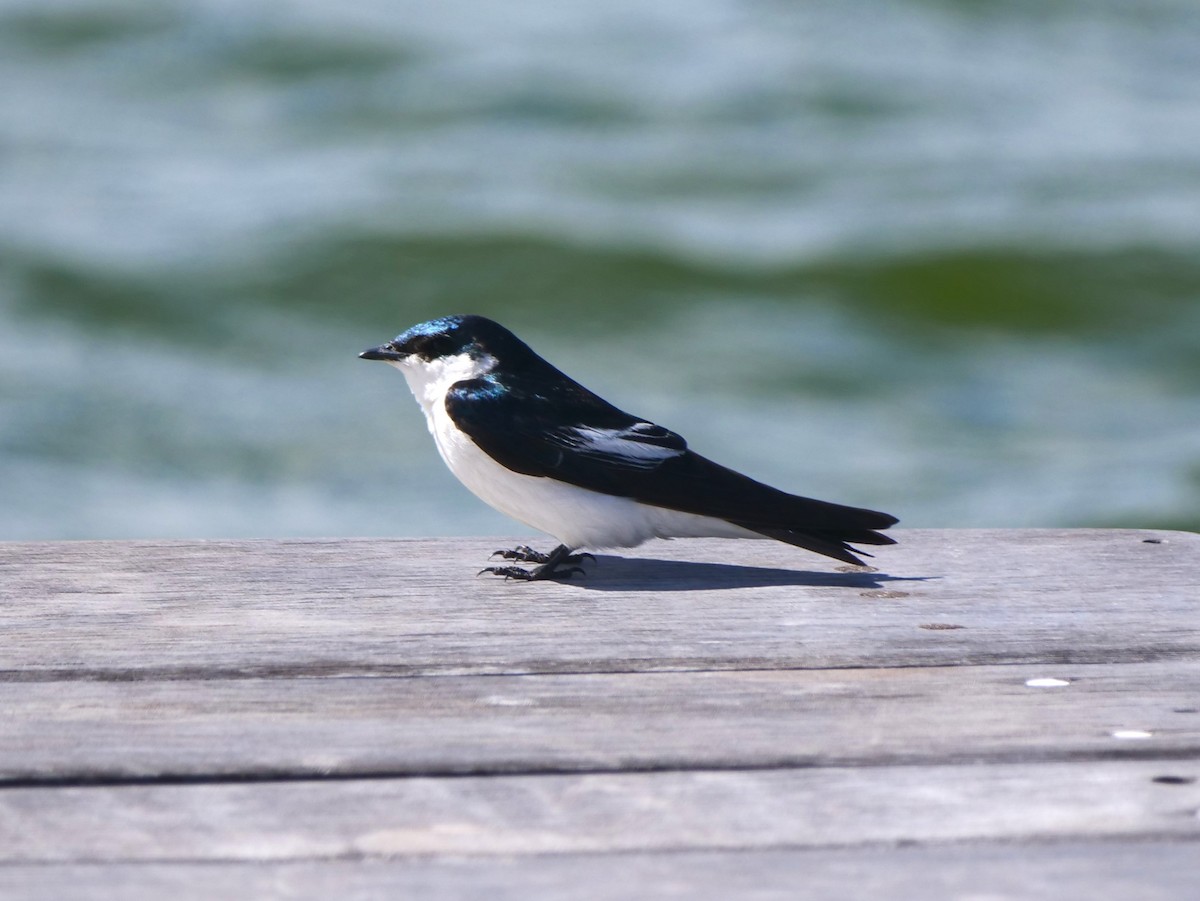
(609, 573)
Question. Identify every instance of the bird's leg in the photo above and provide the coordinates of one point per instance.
(549, 568)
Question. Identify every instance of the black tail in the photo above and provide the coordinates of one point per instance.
(829, 529)
(831, 544)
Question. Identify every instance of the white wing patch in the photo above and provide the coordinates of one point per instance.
(642, 445)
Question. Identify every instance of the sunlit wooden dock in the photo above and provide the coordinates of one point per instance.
(989, 714)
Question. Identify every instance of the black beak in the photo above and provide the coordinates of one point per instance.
(383, 352)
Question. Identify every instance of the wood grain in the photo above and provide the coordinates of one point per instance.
(556, 814)
(1029, 871)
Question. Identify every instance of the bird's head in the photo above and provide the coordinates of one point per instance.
(445, 350)
(450, 336)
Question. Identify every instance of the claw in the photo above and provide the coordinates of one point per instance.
(509, 572)
(523, 553)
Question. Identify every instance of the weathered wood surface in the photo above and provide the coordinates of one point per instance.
(270, 728)
(1054, 871)
(706, 718)
(160, 610)
(602, 812)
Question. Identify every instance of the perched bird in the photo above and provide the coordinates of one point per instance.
(537, 445)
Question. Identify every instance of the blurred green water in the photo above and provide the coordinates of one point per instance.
(936, 258)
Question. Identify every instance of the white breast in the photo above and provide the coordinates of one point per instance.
(575, 516)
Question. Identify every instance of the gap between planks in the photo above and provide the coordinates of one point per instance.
(1169, 776)
(606, 668)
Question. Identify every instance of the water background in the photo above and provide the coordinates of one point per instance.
(938, 257)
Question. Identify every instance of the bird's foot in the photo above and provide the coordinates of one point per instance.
(525, 554)
(550, 564)
(538, 574)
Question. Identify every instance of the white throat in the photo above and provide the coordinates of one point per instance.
(430, 380)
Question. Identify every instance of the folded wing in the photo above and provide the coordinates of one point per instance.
(576, 437)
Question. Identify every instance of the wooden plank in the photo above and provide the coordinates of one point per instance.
(88, 731)
(132, 610)
(1058, 871)
(538, 815)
